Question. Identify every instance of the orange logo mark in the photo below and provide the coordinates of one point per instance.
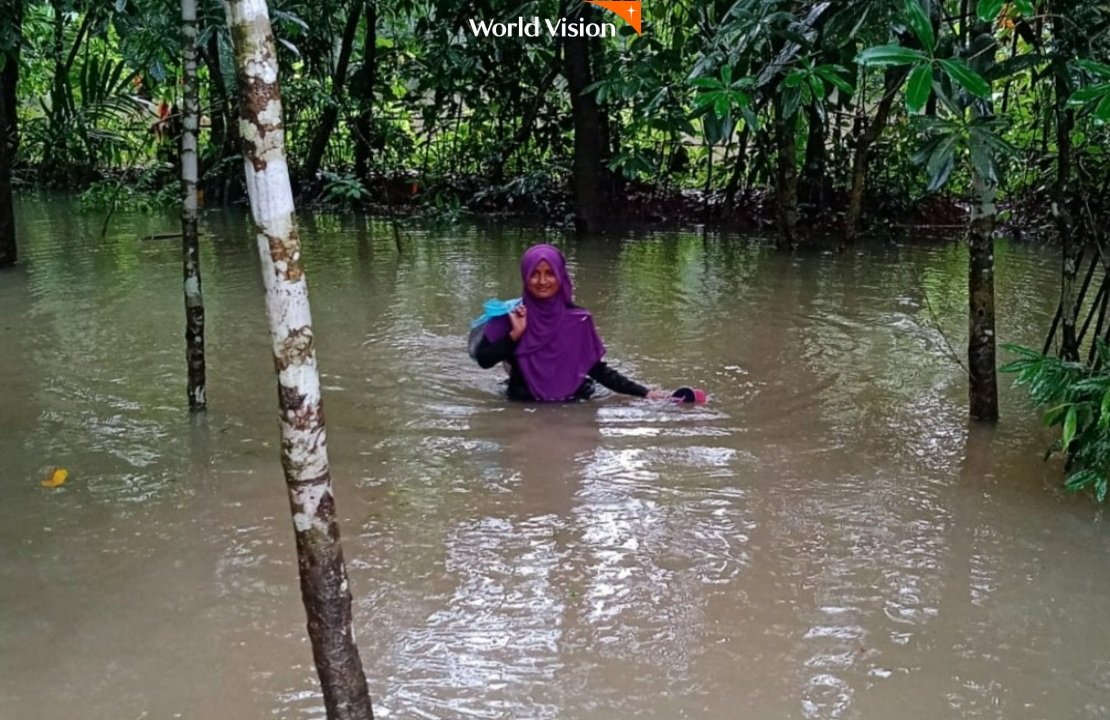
(630, 11)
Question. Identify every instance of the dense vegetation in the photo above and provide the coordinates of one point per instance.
(402, 104)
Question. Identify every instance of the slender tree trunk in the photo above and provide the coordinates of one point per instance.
(324, 587)
(364, 125)
(813, 174)
(331, 112)
(225, 131)
(217, 129)
(190, 246)
(786, 179)
(983, 383)
(528, 123)
(589, 143)
(894, 80)
(1065, 223)
(9, 134)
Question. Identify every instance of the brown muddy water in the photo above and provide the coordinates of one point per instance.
(826, 539)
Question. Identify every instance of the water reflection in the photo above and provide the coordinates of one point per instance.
(825, 539)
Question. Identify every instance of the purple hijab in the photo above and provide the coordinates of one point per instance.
(560, 344)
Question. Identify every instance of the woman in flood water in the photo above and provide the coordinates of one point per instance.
(550, 344)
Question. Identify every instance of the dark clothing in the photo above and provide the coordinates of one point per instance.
(490, 353)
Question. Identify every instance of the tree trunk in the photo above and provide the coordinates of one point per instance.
(364, 125)
(225, 126)
(786, 179)
(9, 134)
(983, 384)
(813, 175)
(190, 246)
(528, 123)
(894, 80)
(1061, 200)
(324, 587)
(589, 143)
(218, 116)
(331, 112)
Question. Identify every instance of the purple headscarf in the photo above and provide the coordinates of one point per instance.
(560, 344)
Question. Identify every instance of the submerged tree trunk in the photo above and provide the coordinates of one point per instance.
(9, 134)
(331, 110)
(983, 383)
(190, 246)
(324, 587)
(589, 140)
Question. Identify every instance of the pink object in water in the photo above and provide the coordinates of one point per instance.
(688, 395)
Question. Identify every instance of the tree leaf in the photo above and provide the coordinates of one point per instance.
(988, 9)
(920, 86)
(1089, 93)
(1094, 67)
(982, 160)
(706, 82)
(833, 77)
(1070, 422)
(967, 78)
(889, 55)
(921, 24)
(1025, 7)
(1104, 411)
(1102, 112)
(941, 162)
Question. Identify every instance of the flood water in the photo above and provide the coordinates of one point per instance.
(827, 538)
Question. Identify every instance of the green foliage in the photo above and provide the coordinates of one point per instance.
(444, 103)
(1077, 398)
(1094, 98)
(143, 195)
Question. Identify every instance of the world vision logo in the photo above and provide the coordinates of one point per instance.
(630, 11)
(534, 27)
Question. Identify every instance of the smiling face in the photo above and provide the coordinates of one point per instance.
(543, 283)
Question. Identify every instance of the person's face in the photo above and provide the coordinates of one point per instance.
(543, 284)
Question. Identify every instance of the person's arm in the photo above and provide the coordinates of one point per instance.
(616, 382)
(490, 353)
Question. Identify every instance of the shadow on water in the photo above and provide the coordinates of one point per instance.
(827, 538)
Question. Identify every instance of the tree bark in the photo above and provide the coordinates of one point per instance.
(190, 246)
(894, 79)
(9, 135)
(224, 133)
(331, 112)
(814, 182)
(983, 383)
(324, 586)
(1061, 212)
(364, 125)
(589, 143)
(786, 178)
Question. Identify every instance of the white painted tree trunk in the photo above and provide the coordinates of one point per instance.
(190, 245)
(324, 587)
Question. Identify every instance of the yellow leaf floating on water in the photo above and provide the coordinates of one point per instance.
(56, 479)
